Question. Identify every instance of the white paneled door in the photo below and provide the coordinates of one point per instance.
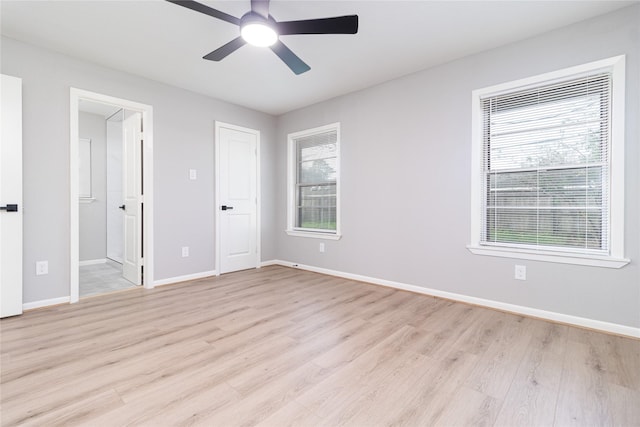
(132, 191)
(11, 197)
(237, 152)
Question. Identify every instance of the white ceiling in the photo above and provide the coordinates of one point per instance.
(164, 42)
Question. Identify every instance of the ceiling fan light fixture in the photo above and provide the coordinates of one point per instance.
(258, 34)
(258, 28)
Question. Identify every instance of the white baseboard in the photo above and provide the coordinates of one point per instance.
(274, 262)
(44, 303)
(92, 262)
(172, 280)
(511, 308)
(169, 281)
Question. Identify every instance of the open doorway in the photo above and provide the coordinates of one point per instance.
(102, 132)
(111, 194)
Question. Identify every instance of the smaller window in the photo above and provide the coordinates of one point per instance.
(314, 182)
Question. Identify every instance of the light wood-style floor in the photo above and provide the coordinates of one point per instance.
(279, 346)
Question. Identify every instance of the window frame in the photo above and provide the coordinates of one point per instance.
(292, 184)
(615, 257)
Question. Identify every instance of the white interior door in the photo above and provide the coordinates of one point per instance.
(11, 196)
(238, 198)
(114, 188)
(132, 192)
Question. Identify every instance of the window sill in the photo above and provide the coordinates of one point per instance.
(318, 235)
(557, 257)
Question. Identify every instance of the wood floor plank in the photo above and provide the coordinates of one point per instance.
(279, 346)
(290, 415)
(381, 393)
(587, 396)
(531, 399)
(448, 326)
(268, 399)
(82, 411)
(434, 389)
(217, 367)
(618, 360)
(33, 396)
(497, 367)
(258, 376)
(182, 403)
(470, 408)
(349, 379)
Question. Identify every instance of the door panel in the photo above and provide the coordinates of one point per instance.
(239, 226)
(132, 190)
(239, 164)
(237, 175)
(11, 193)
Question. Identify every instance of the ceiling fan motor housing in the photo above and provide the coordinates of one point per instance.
(258, 31)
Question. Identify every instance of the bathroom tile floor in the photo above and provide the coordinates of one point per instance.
(102, 278)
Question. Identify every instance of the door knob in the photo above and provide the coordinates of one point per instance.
(9, 208)
(226, 208)
(122, 207)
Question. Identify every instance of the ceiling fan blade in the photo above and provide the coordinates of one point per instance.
(288, 57)
(224, 51)
(261, 7)
(199, 7)
(337, 25)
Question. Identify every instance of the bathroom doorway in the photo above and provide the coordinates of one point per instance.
(111, 179)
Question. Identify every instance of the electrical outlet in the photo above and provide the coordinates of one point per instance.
(193, 174)
(185, 251)
(42, 267)
(521, 272)
(321, 248)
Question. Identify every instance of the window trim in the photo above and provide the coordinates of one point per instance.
(615, 258)
(291, 229)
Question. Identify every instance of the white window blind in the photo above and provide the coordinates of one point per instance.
(546, 166)
(316, 181)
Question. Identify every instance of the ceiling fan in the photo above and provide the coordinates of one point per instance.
(259, 28)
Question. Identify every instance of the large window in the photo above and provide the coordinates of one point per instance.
(545, 180)
(314, 182)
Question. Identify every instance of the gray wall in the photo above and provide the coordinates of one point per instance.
(92, 216)
(406, 161)
(183, 140)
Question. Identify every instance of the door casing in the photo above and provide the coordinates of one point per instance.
(218, 201)
(147, 167)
